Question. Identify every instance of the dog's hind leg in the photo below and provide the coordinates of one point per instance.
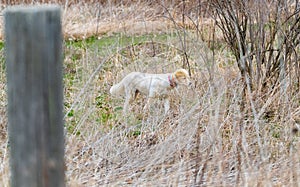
(147, 105)
(130, 97)
(126, 105)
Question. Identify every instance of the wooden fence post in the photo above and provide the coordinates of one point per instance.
(33, 42)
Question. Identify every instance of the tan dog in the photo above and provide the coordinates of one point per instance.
(151, 85)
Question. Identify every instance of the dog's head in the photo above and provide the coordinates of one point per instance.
(182, 77)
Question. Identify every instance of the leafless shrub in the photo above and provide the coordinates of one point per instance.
(209, 138)
(263, 36)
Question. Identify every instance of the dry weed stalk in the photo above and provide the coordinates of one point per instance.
(221, 133)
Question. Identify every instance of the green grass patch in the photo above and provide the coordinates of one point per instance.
(1, 45)
(117, 40)
(105, 110)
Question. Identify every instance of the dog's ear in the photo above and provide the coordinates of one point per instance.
(181, 73)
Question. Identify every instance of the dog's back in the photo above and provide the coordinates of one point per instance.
(127, 82)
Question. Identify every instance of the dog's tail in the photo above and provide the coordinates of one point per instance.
(117, 90)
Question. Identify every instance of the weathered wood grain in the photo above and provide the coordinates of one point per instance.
(33, 48)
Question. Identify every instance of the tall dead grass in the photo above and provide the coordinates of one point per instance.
(83, 19)
(207, 139)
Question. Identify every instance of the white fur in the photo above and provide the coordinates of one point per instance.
(151, 85)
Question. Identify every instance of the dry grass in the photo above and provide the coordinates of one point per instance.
(206, 140)
(82, 20)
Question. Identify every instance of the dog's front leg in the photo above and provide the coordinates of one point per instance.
(167, 105)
